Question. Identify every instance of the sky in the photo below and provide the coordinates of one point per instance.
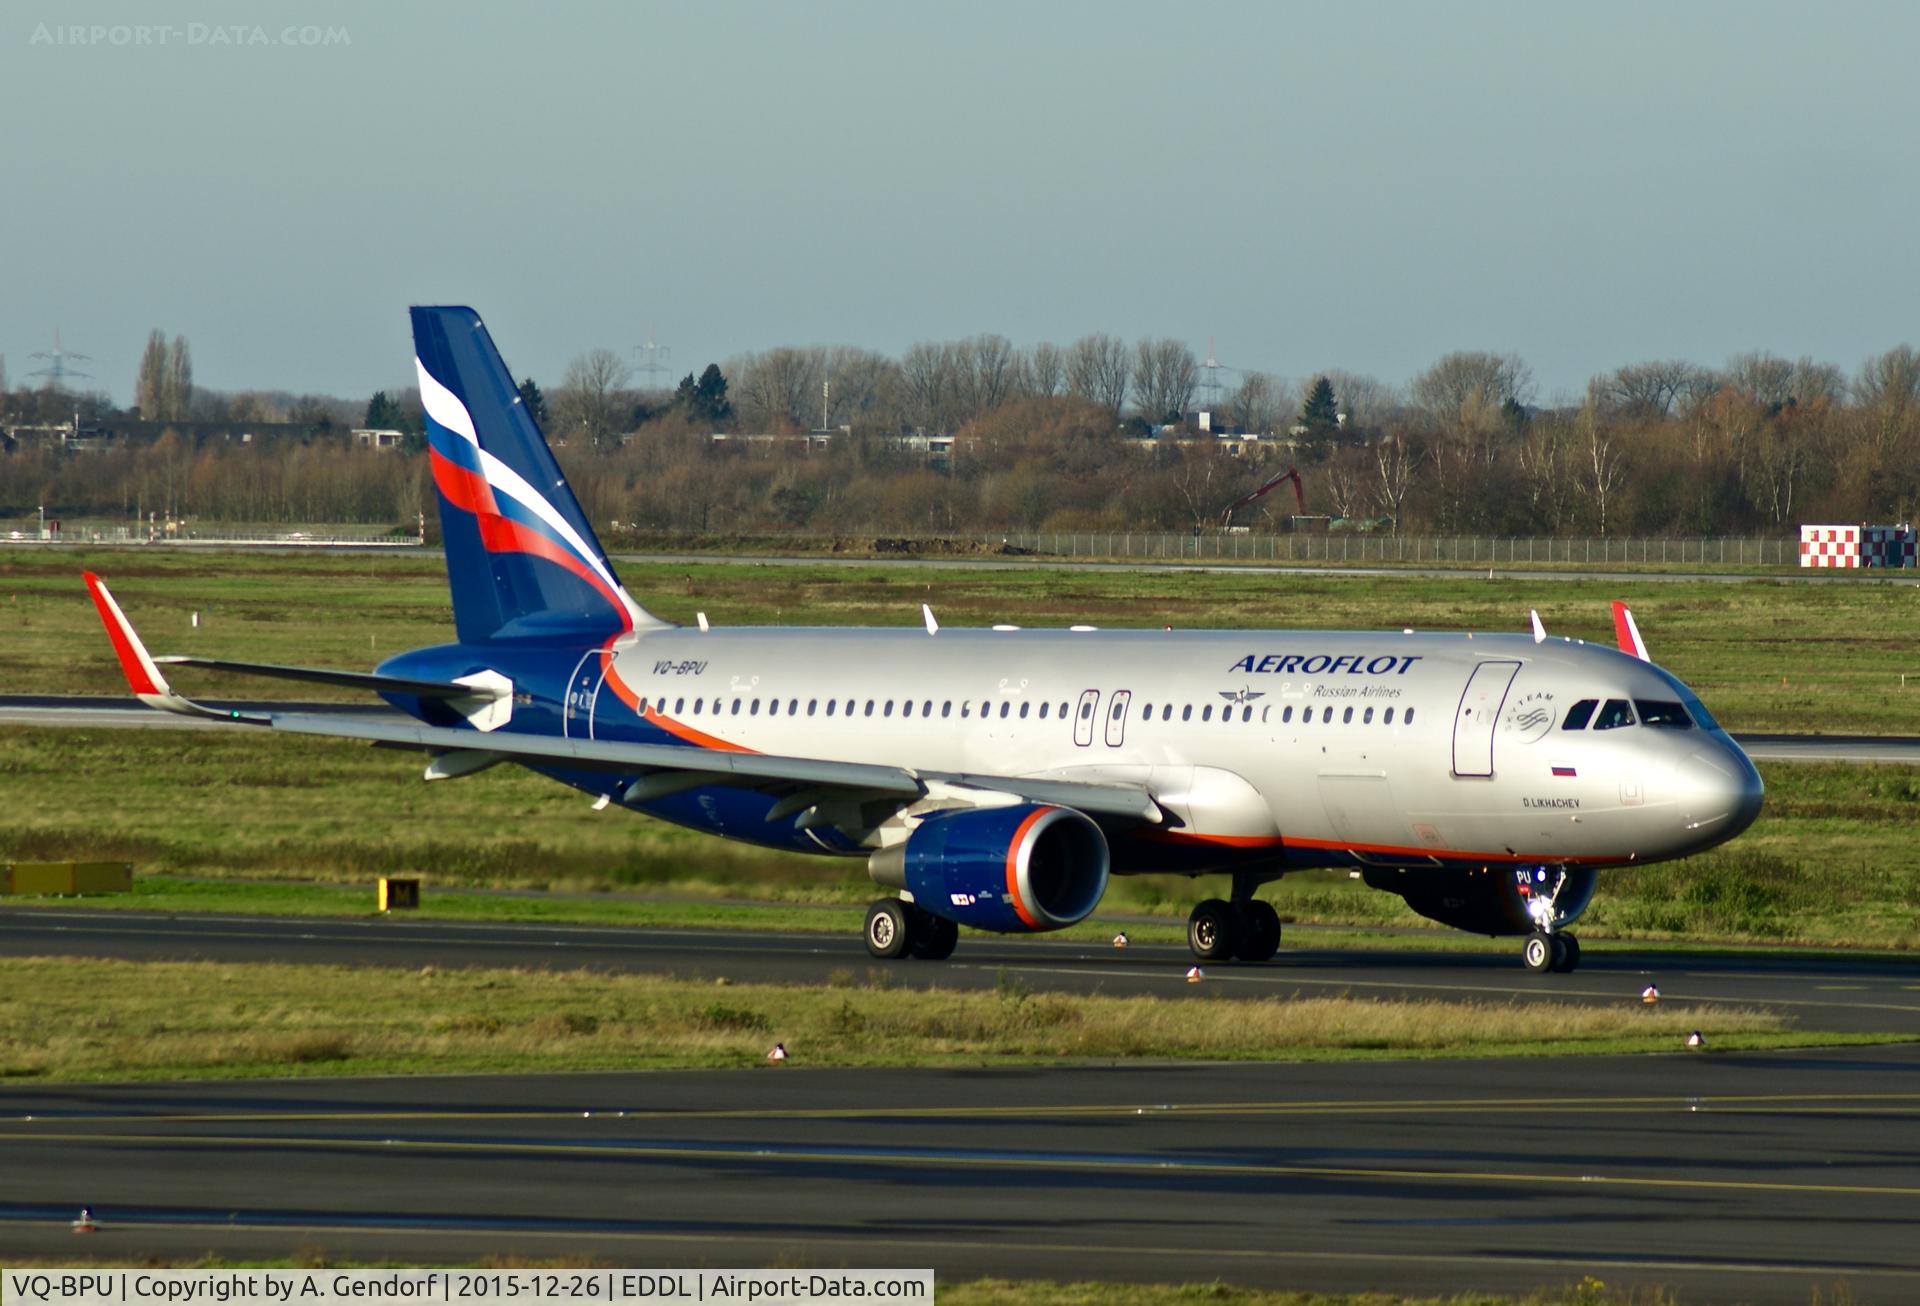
(1365, 186)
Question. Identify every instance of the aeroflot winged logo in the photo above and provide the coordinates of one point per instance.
(1322, 664)
(514, 517)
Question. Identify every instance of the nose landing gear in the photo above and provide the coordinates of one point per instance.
(1545, 949)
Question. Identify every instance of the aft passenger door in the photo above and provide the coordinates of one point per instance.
(1474, 720)
(1117, 717)
(1083, 717)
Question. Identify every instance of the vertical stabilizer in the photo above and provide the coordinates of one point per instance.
(521, 559)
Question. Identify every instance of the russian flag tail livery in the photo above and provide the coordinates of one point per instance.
(521, 559)
(1626, 632)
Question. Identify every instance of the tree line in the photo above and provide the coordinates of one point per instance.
(1099, 434)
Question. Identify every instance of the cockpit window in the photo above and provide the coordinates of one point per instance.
(1617, 712)
(1666, 715)
(1579, 714)
(1701, 717)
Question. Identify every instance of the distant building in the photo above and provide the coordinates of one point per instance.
(374, 437)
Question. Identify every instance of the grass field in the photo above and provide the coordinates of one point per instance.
(92, 1019)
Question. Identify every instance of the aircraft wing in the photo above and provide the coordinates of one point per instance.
(662, 768)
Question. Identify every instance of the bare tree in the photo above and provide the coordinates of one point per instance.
(1347, 489)
(932, 385)
(779, 389)
(1467, 390)
(1887, 392)
(151, 382)
(1255, 403)
(177, 394)
(1097, 370)
(1045, 372)
(1603, 466)
(591, 400)
(1396, 461)
(1653, 389)
(1164, 373)
(996, 372)
(859, 383)
(1367, 401)
(1546, 468)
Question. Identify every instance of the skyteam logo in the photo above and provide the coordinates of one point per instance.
(513, 516)
(1528, 719)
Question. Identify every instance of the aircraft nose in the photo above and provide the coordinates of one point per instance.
(1719, 791)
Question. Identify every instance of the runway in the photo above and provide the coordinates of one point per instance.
(1868, 994)
(1752, 1178)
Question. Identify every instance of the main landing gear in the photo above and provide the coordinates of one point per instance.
(1545, 952)
(1246, 928)
(896, 928)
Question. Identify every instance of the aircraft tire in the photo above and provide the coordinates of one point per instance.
(934, 937)
(1259, 931)
(1566, 953)
(889, 929)
(1213, 930)
(1538, 953)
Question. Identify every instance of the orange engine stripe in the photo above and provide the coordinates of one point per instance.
(1013, 867)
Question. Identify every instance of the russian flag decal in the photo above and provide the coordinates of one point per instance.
(1563, 770)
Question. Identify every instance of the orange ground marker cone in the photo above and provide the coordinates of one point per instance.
(778, 1054)
(1120, 939)
(86, 1222)
(1650, 995)
(1696, 1039)
(1195, 975)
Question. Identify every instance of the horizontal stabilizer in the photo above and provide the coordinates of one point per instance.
(351, 679)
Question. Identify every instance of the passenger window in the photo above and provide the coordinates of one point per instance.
(1063, 711)
(1366, 718)
(1146, 713)
(1206, 713)
(1387, 718)
(696, 707)
(793, 707)
(1663, 714)
(1326, 717)
(812, 703)
(1246, 714)
(1023, 710)
(831, 703)
(1346, 717)
(1086, 711)
(1265, 712)
(1186, 712)
(1043, 710)
(946, 708)
(679, 705)
(1615, 714)
(1286, 714)
(1579, 714)
(1408, 718)
(754, 709)
(986, 708)
(926, 708)
(888, 709)
(643, 705)
(1003, 710)
(869, 711)
(736, 706)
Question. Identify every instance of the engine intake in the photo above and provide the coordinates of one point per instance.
(1490, 900)
(1017, 869)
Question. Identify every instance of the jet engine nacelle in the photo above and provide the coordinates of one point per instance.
(1490, 900)
(1015, 869)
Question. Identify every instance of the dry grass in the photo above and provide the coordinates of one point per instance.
(79, 1019)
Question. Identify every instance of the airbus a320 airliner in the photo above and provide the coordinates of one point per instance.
(997, 778)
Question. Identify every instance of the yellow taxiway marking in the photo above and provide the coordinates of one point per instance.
(1722, 1103)
(922, 1158)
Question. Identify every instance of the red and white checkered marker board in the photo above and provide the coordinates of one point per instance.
(1858, 546)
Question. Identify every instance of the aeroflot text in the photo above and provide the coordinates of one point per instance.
(1319, 664)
